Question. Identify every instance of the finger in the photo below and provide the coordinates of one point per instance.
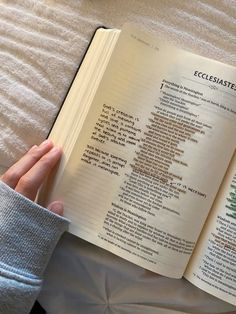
(15, 172)
(29, 183)
(56, 207)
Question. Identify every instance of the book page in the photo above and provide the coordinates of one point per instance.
(213, 264)
(78, 100)
(151, 154)
(75, 107)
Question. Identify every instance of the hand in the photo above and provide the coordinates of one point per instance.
(27, 175)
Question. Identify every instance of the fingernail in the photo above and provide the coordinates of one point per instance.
(56, 207)
(55, 150)
(44, 143)
(33, 147)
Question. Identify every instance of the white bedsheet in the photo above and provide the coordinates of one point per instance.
(42, 43)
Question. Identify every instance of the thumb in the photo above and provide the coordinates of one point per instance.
(56, 207)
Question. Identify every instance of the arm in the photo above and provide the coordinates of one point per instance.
(28, 232)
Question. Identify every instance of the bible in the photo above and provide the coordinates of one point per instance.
(149, 171)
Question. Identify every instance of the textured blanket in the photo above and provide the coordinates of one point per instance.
(43, 41)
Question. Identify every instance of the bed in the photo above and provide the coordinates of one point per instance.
(42, 44)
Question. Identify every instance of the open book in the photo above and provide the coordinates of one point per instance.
(148, 172)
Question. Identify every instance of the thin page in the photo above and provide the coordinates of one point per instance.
(213, 264)
(78, 100)
(151, 154)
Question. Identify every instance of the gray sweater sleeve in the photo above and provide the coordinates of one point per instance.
(28, 236)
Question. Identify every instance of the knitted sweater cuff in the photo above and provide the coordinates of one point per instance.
(28, 233)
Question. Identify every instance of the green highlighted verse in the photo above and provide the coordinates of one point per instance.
(231, 200)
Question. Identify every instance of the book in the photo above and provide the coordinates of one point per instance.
(149, 165)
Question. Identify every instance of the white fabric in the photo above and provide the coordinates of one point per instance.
(85, 279)
(41, 45)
